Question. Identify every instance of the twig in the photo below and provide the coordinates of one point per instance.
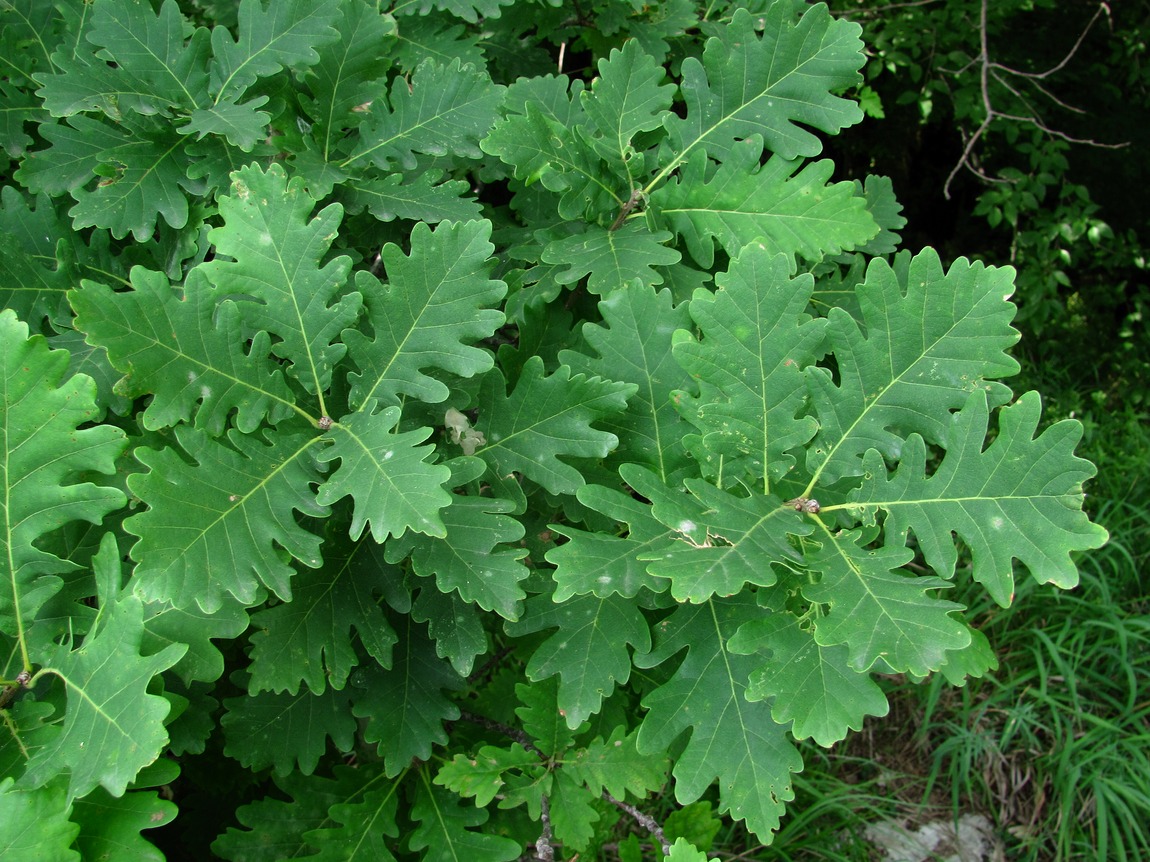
(645, 820)
(510, 732)
(543, 849)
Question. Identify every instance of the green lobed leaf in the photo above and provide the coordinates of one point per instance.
(282, 33)
(187, 352)
(611, 258)
(589, 650)
(572, 813)
(541, 716)
(616, 766)
(731, 739)
(220, 524)
(112, 727)
(454, 625)
(367, 818)
(722, 541)
(445, 832)
(37, 824)
(888, 620)
(404, 707)
(1019, 499)
(436, 305)
(804, 682)
(386, 474)
(275, 270)
(787, 206)
(190, 627)
(602, 563)
(756, 339)
(111, 827)
(481, 776)
(443, 110)
(763, 75)
(34, 292)
(546, 417)
(420, 198)
(309, 639)
(927, 339)
(44, 453)
(288, 733)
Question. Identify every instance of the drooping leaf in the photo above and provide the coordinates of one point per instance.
(220, 524)
(732, 740)
(276, 253)
(1019, 499)
(762, 75)
(589, 651)
(790, 207)
(756, 339)
(437, 304)
(806, 683)
(931, 338)
(186, 352)
(45, 452)
(445, 109)
(546, 417)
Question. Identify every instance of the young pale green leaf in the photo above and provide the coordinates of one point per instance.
(588, 651)
(545, 418)
(437, 304)
(889, 621)
(1020, 499)
(112, 727)
(443, 110)
(615, 765)
(600, 563)
(309, 639)
(482, 776)
(804, 682)
(445, 832)
(49, 809)
(635, 347)
(288, 733)
(404, 707)
(141, 61)
(731, 739)
(186, 352)
(111, 827)
(44, 452)
(386, 475)
(275, 270)
(756, 340)
(627, 97)
(611, 258)
(284, 34)
(721, 542)
(789, 207)
(926, 341)
(764, 74)
(220, 524)
(684, 851)
(573, 816)
(475, 558)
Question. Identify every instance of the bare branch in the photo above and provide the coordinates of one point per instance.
(645, 820)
